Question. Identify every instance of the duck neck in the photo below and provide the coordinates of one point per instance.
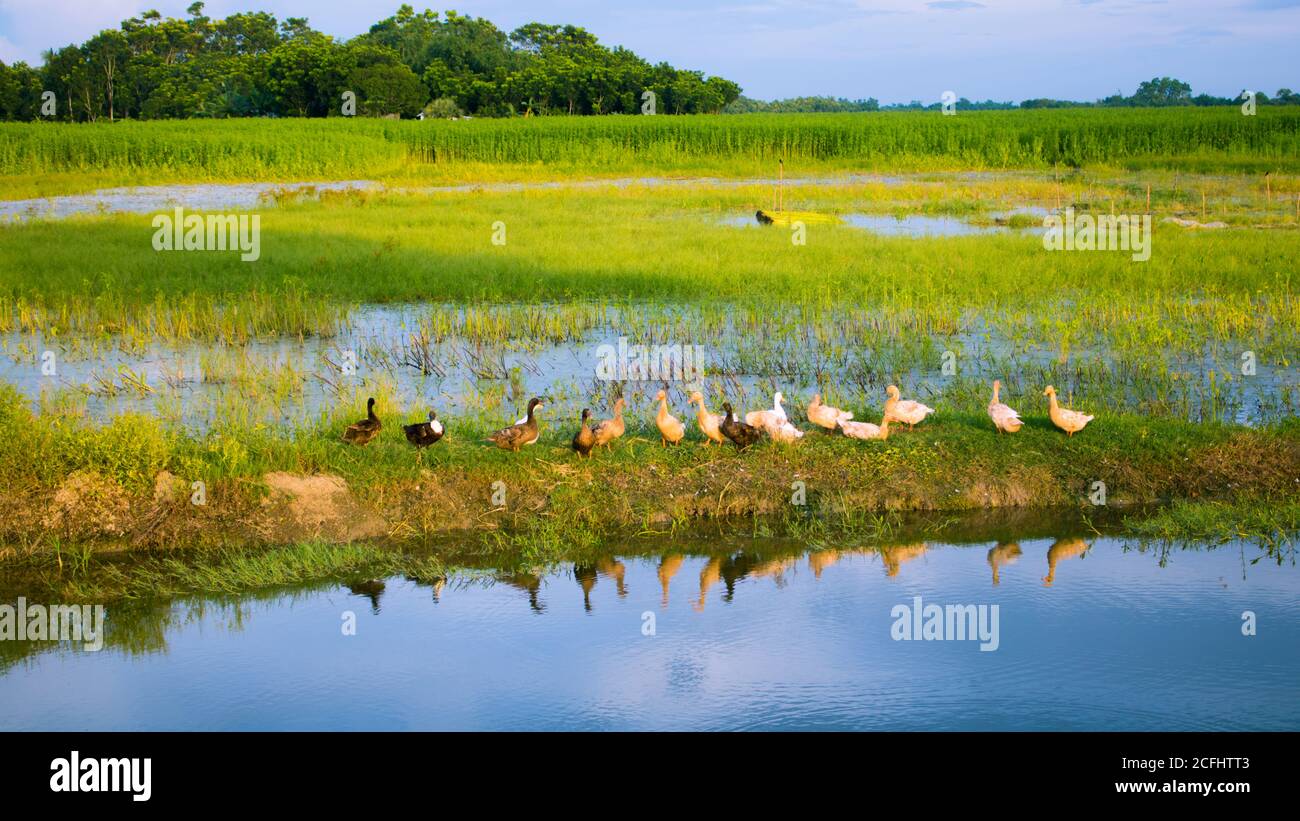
(995, 393)
(1051, 403)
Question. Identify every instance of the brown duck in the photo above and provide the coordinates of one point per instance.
(585, 439)
(741, 434)
(360, 433)
(520, 433)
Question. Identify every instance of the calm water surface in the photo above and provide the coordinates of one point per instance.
(1115, 641)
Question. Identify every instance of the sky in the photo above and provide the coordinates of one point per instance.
(893, 50)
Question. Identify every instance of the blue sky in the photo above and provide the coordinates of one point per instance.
(894, 50)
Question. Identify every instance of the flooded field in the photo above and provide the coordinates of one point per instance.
(1088, 634)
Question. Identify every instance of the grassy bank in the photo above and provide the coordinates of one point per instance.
(52, 158)
(129, 483)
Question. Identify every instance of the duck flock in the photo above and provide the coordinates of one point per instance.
(772, 424)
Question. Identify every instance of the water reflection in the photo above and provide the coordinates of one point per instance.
(1000, 554)
(763, 633)
(1063, 549)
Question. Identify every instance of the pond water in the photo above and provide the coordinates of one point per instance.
(146, 199)
(1090, 635)
(278, 381)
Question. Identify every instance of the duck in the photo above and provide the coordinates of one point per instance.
(671, 430)
(423, 434)
(360, 433)
(1004, 418)
(1070, 421)
(585, 439)
(610, 429)
(742, 434)
(783, 432)
(520, 433)
(761, 419)
(824, 415)
(906, 411)
(866, 430)
(709, 422)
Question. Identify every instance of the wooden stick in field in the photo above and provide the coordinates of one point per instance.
(780, 186)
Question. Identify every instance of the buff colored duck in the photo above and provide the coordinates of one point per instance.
(1067, 420)
(826, 416)
(610, 429)
(709, 422)
(866, 430)
(1004, 418)
(907, 411)
(671, 430)
(763, 418)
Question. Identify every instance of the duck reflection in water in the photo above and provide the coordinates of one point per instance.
(709, 576)
(585, 575)
(668, 567)
(438, 583)
(893, 557)
(370, 588)
(733, 568)
(1062, 549)
(1003, 553)
(819, 560)
(530, 583)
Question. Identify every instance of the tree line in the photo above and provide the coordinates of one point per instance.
(1157, 92)
(251, 64)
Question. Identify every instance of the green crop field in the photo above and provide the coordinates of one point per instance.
(37, 157)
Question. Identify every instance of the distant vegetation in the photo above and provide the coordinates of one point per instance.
(1193, 139)
(1157, 92)
(250, 64)
(436, 65)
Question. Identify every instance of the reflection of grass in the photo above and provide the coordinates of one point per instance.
(1270, 521)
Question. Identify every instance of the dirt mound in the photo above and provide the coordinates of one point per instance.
(317, 507)
(87, 505)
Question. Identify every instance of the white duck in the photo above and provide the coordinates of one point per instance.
(866, 430)
(775, 416)
(1004, 418)
(1064, 418)
(906, 410)
(824, 415)
(783, 432)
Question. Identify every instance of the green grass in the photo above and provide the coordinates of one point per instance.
(191, 151)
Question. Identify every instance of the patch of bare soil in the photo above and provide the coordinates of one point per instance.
(316, 507)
